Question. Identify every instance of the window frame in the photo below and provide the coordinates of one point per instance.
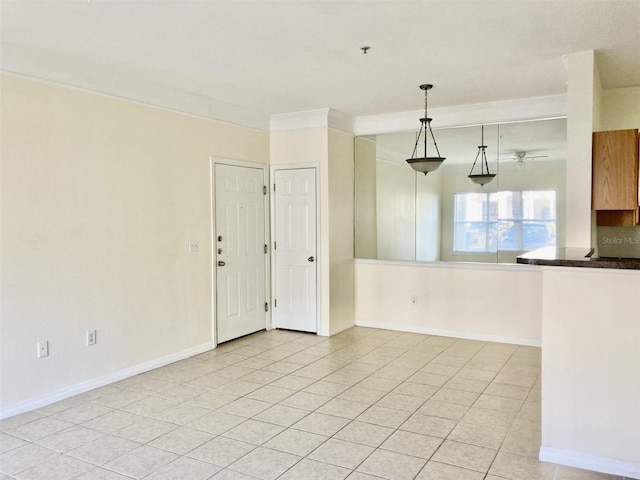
(496, 234)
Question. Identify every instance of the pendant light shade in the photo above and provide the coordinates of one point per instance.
(481, 178)
(425, 163)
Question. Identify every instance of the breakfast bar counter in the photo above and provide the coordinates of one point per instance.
(575, 257)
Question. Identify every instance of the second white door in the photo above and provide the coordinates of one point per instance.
(295, 264)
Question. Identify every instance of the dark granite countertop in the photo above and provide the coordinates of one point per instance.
(575, 257)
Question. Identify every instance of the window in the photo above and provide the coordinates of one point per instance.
(508, 220)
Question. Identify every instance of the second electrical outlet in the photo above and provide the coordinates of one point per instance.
(91, 337)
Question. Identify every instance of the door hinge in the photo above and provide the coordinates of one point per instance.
(275, 245)
(275, 303)
(264, 189)
(266, 307)
(265, 248)
(274, 187)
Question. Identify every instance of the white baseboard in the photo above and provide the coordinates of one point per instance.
(590, 462)
(323, 332)
(342, 328)
(530, 342)
(334, 331)
(78, 388)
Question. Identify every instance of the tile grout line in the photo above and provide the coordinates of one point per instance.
(516, 416)
(401, 349)
(474, 402)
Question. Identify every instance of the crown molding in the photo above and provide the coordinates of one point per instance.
(321, 118)
(507, 111)
(341, 121)
(169, 100)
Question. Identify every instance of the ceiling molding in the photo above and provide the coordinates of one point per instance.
(341, 121)
(172, 101)
(508, 111)
(283, 122)
(310, 119)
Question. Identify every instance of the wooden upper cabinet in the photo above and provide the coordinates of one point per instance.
(615, 172)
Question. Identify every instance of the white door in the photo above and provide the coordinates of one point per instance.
(240, 251)
(295, 253)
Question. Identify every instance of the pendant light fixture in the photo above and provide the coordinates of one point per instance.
(425, 164)
(481, 178)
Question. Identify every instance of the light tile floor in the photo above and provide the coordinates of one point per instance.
(364, 404)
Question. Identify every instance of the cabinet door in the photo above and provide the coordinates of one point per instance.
(615, 170)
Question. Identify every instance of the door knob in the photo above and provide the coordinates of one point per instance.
(310, 259)
(221, 263)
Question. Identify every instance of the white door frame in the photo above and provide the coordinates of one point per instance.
(214, 252)
(298, 166)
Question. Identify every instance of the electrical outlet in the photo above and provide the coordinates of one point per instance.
(43, 349)
(194, 246)
(414, 300)
(91, 337)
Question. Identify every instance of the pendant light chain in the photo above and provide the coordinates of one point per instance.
(428, 120)
(484, 152)
(424, 163)
(484, 155)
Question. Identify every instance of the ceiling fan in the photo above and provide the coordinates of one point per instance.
(520, 157)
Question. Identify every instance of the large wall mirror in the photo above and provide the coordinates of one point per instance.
(401, 214)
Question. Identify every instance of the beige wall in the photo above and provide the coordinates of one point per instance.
(591, 351)
(341, 205)
(489, 302)
(99, 198)
(299, 146)
(620, 108)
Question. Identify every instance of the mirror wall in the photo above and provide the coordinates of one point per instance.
(401, 214)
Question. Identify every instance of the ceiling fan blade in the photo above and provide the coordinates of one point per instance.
(521, 158)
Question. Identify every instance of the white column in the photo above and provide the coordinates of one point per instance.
(583, 117)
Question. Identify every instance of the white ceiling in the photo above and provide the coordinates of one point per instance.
(240, 61)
